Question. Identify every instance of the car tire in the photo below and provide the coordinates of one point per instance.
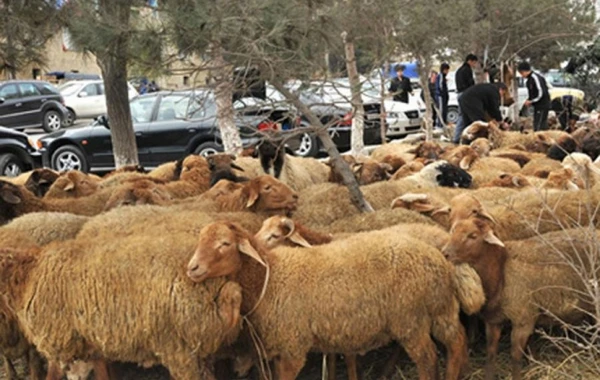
(453, 115)
(68, 157)
(308, 146)
(11, 165)
(70, 120)
(52, 121)
(208, 149)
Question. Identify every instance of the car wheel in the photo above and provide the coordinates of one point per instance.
(68, 157)
(308, 146)
(208, 149)
(453, 115)
(10, 165)
(70, 118)
(52, 121)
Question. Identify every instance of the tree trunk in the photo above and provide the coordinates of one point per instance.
(232, 142)
(424, 70)
(113, 63)
(339, 165)
(358, 116)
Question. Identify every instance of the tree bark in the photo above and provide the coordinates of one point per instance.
(339, 165)
(358, 111)
(113, 63)
(232, 142)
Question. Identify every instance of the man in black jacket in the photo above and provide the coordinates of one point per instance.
(400, 86)
(539, 97)
(464, 80)
(441, 95)
(480, 99)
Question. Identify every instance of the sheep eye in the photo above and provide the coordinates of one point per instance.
(225, 244)
(267, 188)
(472, 236)
(274, 236)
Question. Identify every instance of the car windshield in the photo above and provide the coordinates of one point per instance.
(68, 89)
(141, 109)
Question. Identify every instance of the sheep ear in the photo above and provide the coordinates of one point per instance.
(288, 226)
(9, 196)
(465, 163)
(423, 206)
(572, 186)
(485, 215)
(254, 194)
(443, 210)
(246, 248)
(70, 186)
(356, 168)
(298, 239)
(490, 238)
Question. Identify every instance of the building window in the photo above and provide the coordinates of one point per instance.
(186, 81)
(36, 74)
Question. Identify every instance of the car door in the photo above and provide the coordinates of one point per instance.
(11, 111)
(168, 134)
(32, 101)
(100, 144)
(90, 101)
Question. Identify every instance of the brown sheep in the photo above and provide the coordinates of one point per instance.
(366, 171)
(428, 150)
(281, 230)
(72, 184)
(564, 179)
(514, 181)
(177, 323)
(194, 179)
(396, 162)
(43, 228)
(221, 166)
(482, 147)
(40, 181)
(138, 192)
(523, 281)
(289, 330)
(407, 170)
(540, 167)
(169, 171)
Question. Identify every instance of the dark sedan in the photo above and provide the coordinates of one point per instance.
(168, 126)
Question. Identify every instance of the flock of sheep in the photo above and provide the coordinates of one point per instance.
(213, 259)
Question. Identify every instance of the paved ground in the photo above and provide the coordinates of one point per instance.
(38, 132)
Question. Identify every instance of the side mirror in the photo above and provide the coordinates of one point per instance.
(82, 94)
(103, 121)
(2, 100)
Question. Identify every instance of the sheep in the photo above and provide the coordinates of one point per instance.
(175, 322)
(138, 192)
(523, 281)
(581, 164)
(169, 171)
(564, 179)
(366, 171)
(563, 146)
(529, 213)
(251, 167)
(296, 172)
(540, 167)
(40, 181)
(42, 228)
(482, 147)
(521, 157)
(591, 144)
(368, 315)
(395, 149)
(323, 204)
(428, 150)
(221, 167)
(72, 184)
(407, 170)
(194, 179)
(395, 162)
(515, 181)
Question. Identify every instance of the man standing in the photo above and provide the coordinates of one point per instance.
(464, 80)
(539, 97)
(441, 95)
(400, 86)
(482, 98)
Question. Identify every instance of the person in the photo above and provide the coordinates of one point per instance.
(442, 96)
(539, 97)
(153, 87)
(480, 99)
(464, 79)
(431, 87)
(400, 86)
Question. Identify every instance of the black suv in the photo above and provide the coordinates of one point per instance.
(17, 153)
(30, 104)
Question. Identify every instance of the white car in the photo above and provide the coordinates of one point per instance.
(85, 99)
(402, 118)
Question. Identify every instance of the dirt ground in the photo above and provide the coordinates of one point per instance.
(544, 367)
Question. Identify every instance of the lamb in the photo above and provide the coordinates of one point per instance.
(366, 316)
(72, 184)
(176, 322)
(523, 281)
(42, 228)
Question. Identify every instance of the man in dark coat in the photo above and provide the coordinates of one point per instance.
(539, 97)
(482, 98)
(442, 96)
(464, 80)
(400, 86)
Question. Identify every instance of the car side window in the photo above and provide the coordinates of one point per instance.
(141, 109)
(10, 91)
(28, 90)
(48, 89)
(100, 88)
(91, 90)
(172, 107)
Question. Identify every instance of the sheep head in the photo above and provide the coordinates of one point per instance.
(396, 162)
(265, 193)
(11, 197)
(279, 230)
(222, 162)
(564, 179)
(193, 163)
(462, 156)
(516, 181)
(445, 174)
(371, 171)
(428, 150)
(421, 203)
(72, 184)
(482, 146)
(40, 181)
(469, 241)
(465, 206)
(219, 251)
(478, 129)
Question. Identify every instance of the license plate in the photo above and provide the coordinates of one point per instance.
(414, 121)
(372, 116)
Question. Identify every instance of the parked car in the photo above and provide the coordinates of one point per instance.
(86, 99)
(31, 104)
(167, 125)
(18, 153)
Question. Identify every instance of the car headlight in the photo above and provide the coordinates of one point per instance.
(397, 115)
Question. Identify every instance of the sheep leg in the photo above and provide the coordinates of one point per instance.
(390, 365)
(423, 353)
(36, 365)
(101, 370)
(288, 368)
(55, 372)
(492, 338)
(451, 333)
(518, 340)
(350, 367)
(331, 366)
(9, 369)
